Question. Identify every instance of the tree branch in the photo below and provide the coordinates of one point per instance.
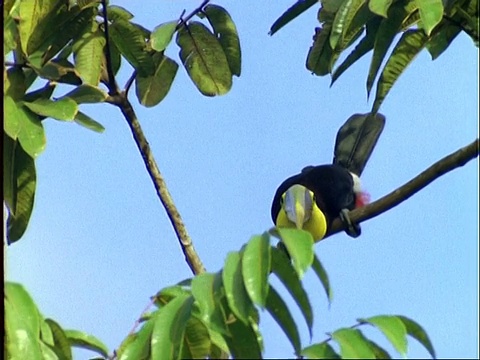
(192, 14)
(192, 258)
(441, 167)
(112, 84)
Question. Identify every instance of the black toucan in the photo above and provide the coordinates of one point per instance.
(312, 199)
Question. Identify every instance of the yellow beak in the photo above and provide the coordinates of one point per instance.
(298, 205)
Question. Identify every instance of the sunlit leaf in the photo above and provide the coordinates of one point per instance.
(237, 296)
(162, 35)
(431, 13)
(61, 345)
(62, 109)
(137, 346)
(380, 7)
(87, 122)
(299, 244)
(256, 263)
(409, 45)
(169, 328)
(88, 56)
(152, 89)
(353, 345)
(87, 94)
(418, 333)
(393, 328)
(204, 59)
(320, 351)
(283, 269)
(280, 312)
(291, 13)
(343, 19)
(83, 340)
(226, 32)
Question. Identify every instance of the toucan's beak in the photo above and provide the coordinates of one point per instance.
(298, 205)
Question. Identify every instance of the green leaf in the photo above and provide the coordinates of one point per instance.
(256, 263)
(323, 276)
(291, 13)
(61, 345)
(204, 59)
(88, 56)
(441, 40)
(15, 84)
(10, 35)
(196, 343)
(152, 89)
(320, 53)
(22, 324)
(86, 341)
(19, 187)
(137, 346)
(417, 332)
(86, 94)
(409, 45)
(393, 328)
(206, 289)
(61, 71)
(169, 328)
(380, 7)
(162, 35)
(283, 269)
(353, 344)
(244, 342)
(431, 13)
(280, 312)
(237, 296)
(87, 122)
(385, 34)
(130, 40)
(62, 109)
(115, 12)
(299, 244)
(380, 353)
(167, 294)
(343, 19)
(42, 93)
(320, 351)
(226, 32)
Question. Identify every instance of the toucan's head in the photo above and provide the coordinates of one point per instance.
(299, 209)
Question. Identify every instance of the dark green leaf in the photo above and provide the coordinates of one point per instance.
(280, 312)
(283, 269)
(153, 88)
(61, 345)
(15, 84)
(87, 122)
(62, 109)
(256, 263)
(292, 12)
(19, 187)
(137, 346)
(353, 345)
(87, 94)
(22, 324)
(226, 32)
(196, 343)
(417, 332)
(169, 328)
(42, 93)
(237, 296)
(320, 351)
(323, 276)
(409, 45)
(392, 328)
(441, 40)
(244, 342)
(380, 353)
(299, 244)
(204, 59)
(86, 341)
(431, 13)
(115, 12)
(130, 40)
(162, 35)
(61, 71)
(320, 53)
(343, 19)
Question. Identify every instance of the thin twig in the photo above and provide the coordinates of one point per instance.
(112, 84)
(441, 167)
(192, 258)
(192, 14)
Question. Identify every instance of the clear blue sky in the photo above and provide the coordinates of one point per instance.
(99, 242)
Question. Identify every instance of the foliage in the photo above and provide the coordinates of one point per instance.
(212, 314)
(376, 25)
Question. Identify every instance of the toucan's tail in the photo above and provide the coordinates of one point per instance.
(356, 140)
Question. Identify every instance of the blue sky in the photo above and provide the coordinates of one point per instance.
(99, 242)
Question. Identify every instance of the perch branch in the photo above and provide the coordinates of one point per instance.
(112, 85)
(441, 167)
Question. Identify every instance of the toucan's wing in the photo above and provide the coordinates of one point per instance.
(356, 139)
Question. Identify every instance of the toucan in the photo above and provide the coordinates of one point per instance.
(312, 199)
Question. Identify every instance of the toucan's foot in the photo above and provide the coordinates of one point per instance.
(351, 228)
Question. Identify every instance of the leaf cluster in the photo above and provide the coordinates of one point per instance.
(376, 25)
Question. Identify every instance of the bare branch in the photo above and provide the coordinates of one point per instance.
(441, 167)
(191, 256)
(183, 21)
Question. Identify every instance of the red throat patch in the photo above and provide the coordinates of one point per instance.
(362, 199)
